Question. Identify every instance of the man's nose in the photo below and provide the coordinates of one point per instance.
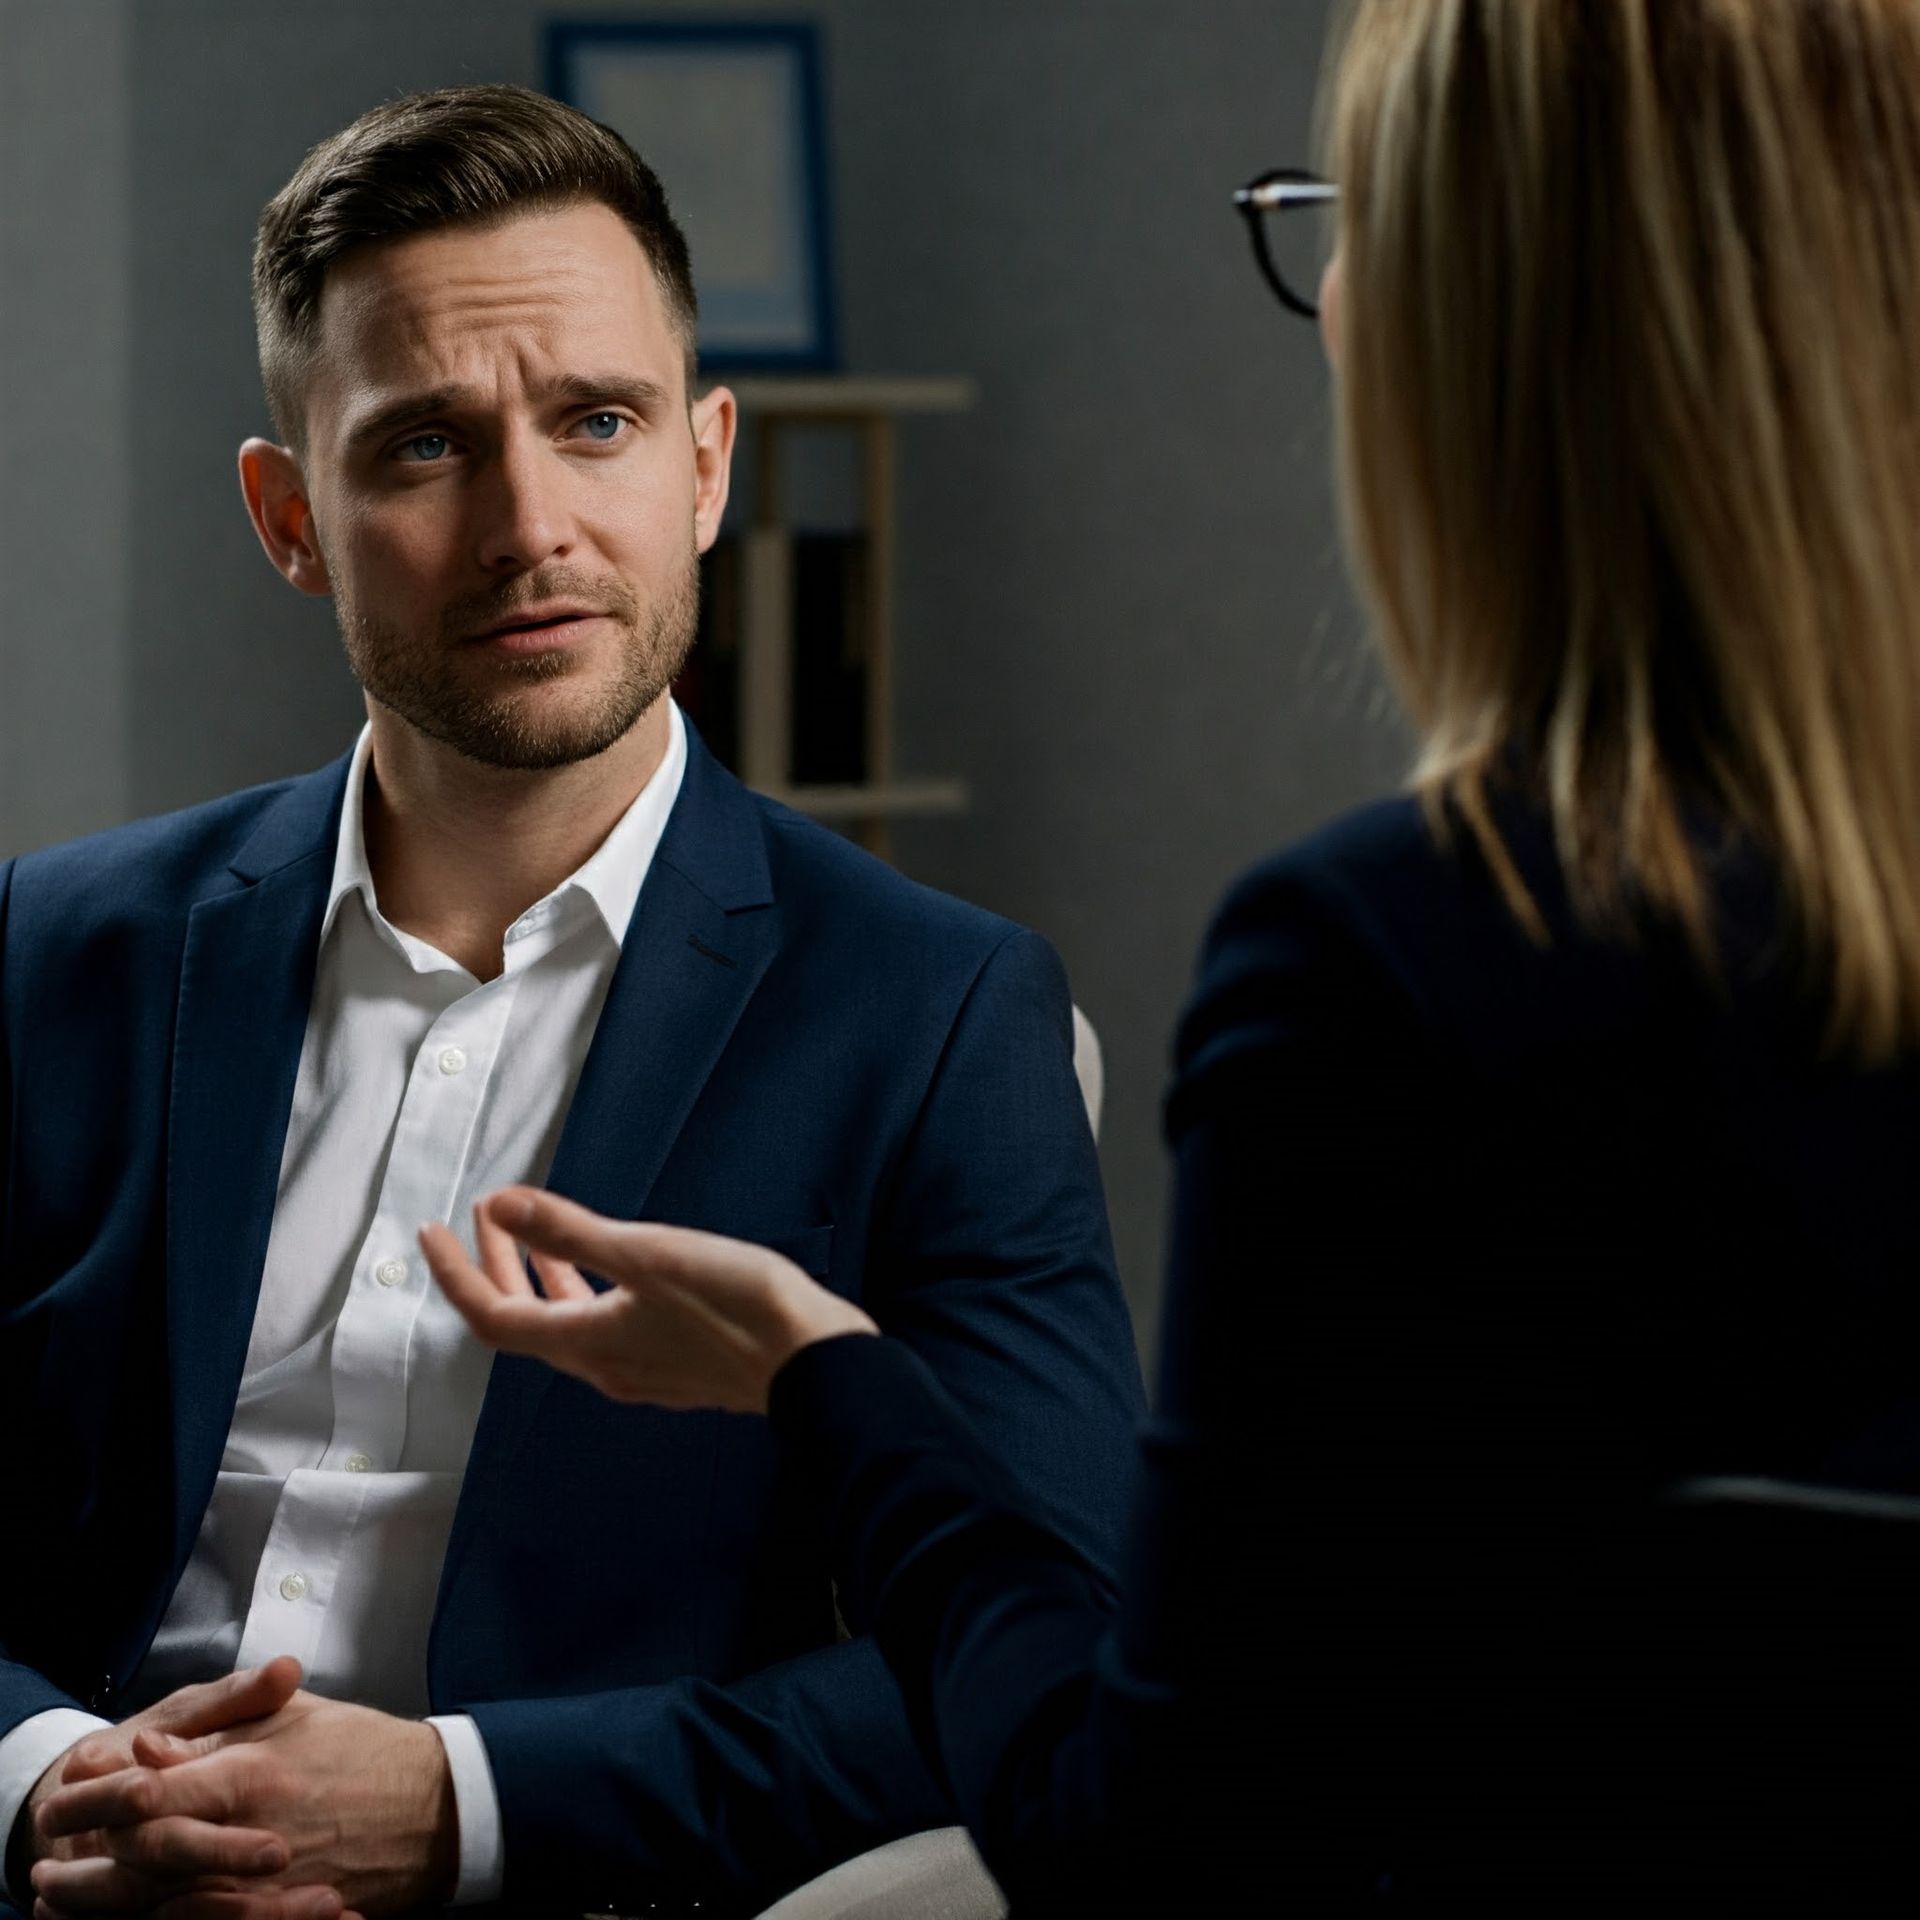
(523, 510)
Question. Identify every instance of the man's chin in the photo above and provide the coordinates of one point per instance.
(514, 734)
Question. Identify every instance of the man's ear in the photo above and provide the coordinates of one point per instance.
(713, 418)
(276, 495)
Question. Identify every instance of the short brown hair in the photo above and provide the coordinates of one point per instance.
(456, 156)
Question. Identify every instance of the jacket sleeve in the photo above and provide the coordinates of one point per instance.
(1337, 1553)
(991, 1262)
(1116, 1763)
(23, 1692)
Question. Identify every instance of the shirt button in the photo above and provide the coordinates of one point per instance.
(293, 1586)
(390, 1273)
(452, 1060)
(359, 1463)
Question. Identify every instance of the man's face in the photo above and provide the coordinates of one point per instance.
(506, 495)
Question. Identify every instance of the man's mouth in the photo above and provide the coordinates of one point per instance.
(537, 628)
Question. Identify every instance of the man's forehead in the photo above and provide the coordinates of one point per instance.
(582, 261)
(570, 289)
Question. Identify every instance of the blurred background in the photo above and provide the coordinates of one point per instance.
(1120, 614)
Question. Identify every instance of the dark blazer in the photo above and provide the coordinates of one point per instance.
(1480, 1249)
(799, 1046)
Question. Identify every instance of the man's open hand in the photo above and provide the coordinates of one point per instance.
(358, 1804)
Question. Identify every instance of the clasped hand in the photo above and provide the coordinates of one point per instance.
(247, 1800)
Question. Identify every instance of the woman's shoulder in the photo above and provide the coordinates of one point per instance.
(1312, 938)
(1347, 867)
(1384, 934)
(1386, 889)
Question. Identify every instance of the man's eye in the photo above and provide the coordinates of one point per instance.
(603, 426)
(425, 447)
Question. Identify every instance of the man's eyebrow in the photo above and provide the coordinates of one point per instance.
(622, 389)
(404, 412)
(576, 389)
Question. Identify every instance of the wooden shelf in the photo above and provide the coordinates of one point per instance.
(896, 800)
(869, 407)
(849, 396)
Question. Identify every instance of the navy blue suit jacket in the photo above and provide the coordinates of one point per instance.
(800, 1047)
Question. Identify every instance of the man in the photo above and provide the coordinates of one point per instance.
(526, 930)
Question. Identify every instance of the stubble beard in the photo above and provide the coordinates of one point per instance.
(477, 714)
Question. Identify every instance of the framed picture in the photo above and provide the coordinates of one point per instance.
(729, 116)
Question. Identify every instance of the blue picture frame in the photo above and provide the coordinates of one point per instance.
(735, 127)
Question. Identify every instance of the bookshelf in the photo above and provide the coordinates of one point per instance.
(774, 567)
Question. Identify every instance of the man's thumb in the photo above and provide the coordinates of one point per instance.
(250, 1694)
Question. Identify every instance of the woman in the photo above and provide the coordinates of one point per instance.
(1544, 1138)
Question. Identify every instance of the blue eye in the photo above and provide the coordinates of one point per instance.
(424, 447)
(603, 426)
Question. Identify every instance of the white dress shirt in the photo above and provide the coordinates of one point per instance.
(420, 1089)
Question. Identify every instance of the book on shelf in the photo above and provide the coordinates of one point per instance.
(708, 689)
(829, 657)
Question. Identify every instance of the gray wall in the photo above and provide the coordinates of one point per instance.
(65, 419)
(1121, 611)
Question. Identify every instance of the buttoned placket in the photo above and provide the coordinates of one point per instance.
(391, 1293)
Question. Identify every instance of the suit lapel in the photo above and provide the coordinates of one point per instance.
(246, 978)
(703, 933)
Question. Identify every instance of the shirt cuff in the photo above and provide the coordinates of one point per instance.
(476, 1808)
(25, 1754)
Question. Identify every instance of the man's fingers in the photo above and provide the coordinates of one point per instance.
(177, 1848)
(152, 1748)
(73, 1887)
(98, 1753)
(269, 1903)
(219, 1787)
(115, 1799)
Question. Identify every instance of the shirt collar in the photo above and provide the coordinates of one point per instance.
(611, 876)
(615, 871)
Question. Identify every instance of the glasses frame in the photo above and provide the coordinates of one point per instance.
(1281, 190)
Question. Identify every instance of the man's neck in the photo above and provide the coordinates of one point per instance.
(458, 851)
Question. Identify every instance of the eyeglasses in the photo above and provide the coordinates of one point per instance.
(1302, 239)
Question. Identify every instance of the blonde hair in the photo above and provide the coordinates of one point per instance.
(1629, 428)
